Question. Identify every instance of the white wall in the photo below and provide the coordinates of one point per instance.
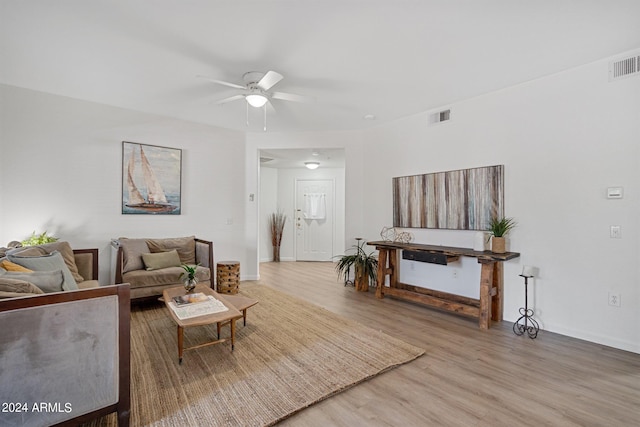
(61, 166)
(563, 140)
(268, 204)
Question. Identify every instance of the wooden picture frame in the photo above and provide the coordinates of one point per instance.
(463, 199)
(151, 179)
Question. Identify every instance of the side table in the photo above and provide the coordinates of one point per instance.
(228, 277)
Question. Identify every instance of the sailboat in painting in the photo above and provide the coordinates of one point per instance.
(156, 201)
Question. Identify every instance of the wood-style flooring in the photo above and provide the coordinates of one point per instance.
(467, 377)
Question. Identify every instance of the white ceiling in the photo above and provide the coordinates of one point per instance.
(296, 157)
(389, 58)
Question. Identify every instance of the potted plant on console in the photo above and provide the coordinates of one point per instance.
(498, 229)
(365, 267)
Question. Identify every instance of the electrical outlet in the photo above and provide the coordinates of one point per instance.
(614, 299)
(454, 274)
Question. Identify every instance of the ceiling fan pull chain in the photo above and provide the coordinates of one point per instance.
(265, 117)
(247, 113)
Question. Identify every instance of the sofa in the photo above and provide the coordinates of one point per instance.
(51, 267)
(150, 266)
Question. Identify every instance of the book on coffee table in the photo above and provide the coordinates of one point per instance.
(201, 308)
(190, 298)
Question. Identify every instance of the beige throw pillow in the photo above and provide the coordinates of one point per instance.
(160, 260)
(186, 247)
(132, 250)
(18, 286)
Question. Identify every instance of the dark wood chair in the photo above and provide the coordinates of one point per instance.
(66, 357)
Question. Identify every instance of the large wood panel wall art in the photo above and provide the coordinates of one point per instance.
(464, 199)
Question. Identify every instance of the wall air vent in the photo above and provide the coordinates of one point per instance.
(624, 67)
(439, 117)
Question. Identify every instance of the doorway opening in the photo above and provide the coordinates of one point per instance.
(315, 225)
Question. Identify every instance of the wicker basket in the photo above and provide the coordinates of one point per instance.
(228, 277)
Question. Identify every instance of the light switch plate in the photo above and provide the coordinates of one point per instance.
(615, 232)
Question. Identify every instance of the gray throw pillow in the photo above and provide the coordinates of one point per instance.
(132, 250)
(52, 261)
(61, 246)
(39, 281)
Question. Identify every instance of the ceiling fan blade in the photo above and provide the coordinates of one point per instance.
(229, 99)
(271, 108)
(269, 80)
(292, 97)
(220, 82)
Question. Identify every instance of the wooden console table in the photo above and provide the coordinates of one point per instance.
(487, 308)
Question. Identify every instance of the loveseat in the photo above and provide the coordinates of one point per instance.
(54, 267)
(153, 265)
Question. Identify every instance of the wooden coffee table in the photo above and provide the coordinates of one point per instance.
(228, 316)
(242, 303)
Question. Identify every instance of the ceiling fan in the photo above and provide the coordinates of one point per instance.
(256, 89)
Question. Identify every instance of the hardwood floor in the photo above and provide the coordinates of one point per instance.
(467, 377)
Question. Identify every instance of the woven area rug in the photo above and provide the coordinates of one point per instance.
(290, 355)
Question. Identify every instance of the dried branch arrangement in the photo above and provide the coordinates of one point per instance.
(277, 221)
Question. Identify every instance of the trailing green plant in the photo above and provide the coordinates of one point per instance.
(189, 270)
(500, 227)
(365, 265)
(38, 239)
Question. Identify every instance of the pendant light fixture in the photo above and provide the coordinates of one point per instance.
(312, 165)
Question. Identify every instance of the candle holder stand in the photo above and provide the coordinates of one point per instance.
(526, 323)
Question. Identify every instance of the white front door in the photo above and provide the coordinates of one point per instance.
(314, 218)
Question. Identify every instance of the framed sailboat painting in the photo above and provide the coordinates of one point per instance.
(151, 179)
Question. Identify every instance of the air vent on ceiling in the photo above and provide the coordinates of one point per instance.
(624, 67)
(439, 117)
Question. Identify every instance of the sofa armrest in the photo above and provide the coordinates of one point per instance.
(119, 262)
(87, 263)
(204, 256)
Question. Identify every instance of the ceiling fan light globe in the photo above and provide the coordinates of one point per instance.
(256, 100)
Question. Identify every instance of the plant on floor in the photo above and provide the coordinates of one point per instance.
(277, 221)
(365, 267)
(38, 239)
